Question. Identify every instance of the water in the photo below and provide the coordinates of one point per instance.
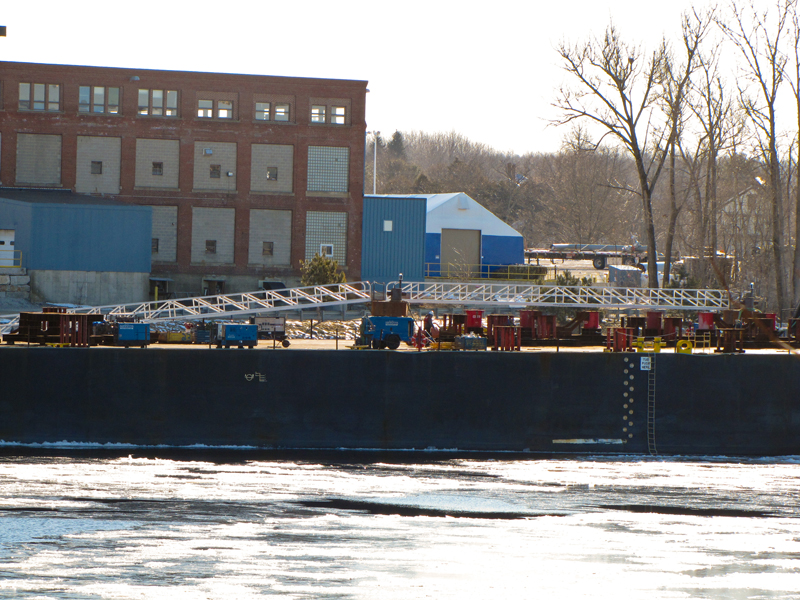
(85, 525)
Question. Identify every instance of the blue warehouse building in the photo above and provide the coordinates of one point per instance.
(434, 235)
(77, 248)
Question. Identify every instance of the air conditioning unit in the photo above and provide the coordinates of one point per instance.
(208, 151)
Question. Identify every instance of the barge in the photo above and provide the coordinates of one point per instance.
(543, 401)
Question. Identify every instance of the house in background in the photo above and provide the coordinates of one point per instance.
(455, 238)
(75, 248)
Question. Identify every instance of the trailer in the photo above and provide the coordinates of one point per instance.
(631, 254)
(271, 328)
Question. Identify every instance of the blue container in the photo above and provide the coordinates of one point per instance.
(235, 334)
(133, 334)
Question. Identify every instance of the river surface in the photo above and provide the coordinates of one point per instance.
(82, 524)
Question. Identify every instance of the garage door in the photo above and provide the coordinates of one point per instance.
(461, 253)
(7, 247)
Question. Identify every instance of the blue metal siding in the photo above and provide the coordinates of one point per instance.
(385, 254)
(433, 249)
(17, 216)
(91, 238)
(502, 250)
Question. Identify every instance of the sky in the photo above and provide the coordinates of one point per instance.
(487, 70)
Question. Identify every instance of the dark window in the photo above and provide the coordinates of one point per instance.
(154, 246)
(39, 96)
(97, 167)
(98, 99)
(158, 168)
(267, 248)
(272, 173)
(216, 171)
(211, 246)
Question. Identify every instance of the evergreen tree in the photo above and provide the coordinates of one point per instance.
(320, 270)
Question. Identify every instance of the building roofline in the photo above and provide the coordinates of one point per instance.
(131, 71)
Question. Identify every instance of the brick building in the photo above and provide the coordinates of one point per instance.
(246, 174)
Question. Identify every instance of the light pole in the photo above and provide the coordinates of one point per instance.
(375, 135)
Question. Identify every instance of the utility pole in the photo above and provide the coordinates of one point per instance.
(375, 135)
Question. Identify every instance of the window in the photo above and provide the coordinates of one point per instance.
(262, 111)
(158, 168)
(317, 113)
(281, 112)
(224, 109)
(159, 103)
(97, 167)
(272, 173)
(205, 109)
(216, 171)
(325, 250)
(211, 246)
(98, 99)
(267, 248)
(328, 169)
(339, 115)
(154, 246)
(39, 96)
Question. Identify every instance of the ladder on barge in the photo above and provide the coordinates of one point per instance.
(442, 294)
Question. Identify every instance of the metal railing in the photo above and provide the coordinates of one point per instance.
(505, 294)
(227, 306)
(10, 259)
(526, 272)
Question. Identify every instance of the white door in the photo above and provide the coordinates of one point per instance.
(6, 248)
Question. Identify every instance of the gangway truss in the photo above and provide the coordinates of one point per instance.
(344, 295)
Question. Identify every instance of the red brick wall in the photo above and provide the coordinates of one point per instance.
(187, 128)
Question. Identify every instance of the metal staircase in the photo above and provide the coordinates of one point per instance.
(344, 295)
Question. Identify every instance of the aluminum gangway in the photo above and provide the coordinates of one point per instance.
(231, 306)
(344, 295)
(552, 296)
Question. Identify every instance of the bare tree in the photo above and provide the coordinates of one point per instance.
(620, 90)
(588, 198)
(794, 81)
(717, 128)
(677, 81)
(758, 39)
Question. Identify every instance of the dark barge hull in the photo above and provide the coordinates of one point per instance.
(734, 405)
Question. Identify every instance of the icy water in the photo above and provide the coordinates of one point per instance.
(197, 525)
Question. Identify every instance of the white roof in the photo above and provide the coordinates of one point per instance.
(459, 211)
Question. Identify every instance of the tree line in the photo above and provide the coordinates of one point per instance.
(692, 150)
